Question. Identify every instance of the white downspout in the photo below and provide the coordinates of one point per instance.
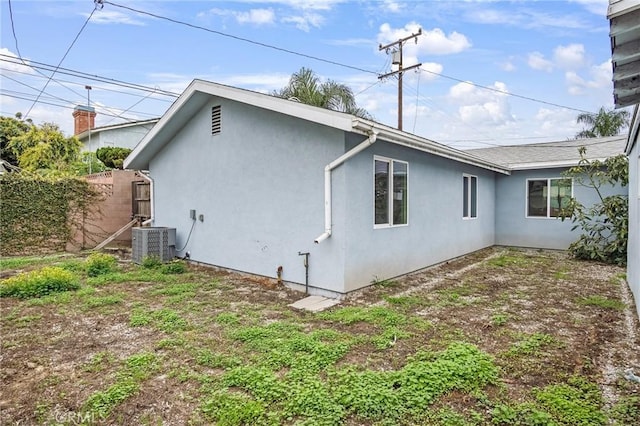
(327, 182)
(151, 200)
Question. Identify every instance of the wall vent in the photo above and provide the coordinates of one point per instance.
(216, 120)
(156, 242)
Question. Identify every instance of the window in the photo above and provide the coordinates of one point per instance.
(216, 119)
(469, 196)
(547, 197)
(390, 192)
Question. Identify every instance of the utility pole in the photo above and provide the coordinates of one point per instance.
(397, 60)
(89, 120)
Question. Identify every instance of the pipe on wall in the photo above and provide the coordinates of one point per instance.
(327, 182)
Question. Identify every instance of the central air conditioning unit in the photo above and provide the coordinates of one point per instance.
(158, 242)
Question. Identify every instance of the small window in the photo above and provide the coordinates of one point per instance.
(390, 186)
(469, 196)
(547, 197)
(216, 120)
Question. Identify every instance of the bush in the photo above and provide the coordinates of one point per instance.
(151, 262)
(100, 264)
(39, 283)
(174, 267)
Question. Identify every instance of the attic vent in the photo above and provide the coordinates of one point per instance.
(216, 119)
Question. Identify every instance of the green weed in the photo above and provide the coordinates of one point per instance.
(576, 402)
(38, 283)
(602, 302)
(166, 320)
(508, 260)
(97, 302)
(499, 319)
(136, 369)
(100, 264)
(531, 345)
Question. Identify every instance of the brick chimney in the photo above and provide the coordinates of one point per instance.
(84, 118)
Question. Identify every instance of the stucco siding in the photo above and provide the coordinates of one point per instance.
(436, 230)
(514, 228)
(127, 137)
(259, 185)
(633, 247)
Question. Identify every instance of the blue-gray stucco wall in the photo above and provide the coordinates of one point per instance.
(259, 185)
(436, 230)
(513, 228)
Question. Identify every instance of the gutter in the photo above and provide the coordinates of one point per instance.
(414, 142)
(327, 182)
(151, 200)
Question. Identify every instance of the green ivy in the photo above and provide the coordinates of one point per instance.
(39, 214)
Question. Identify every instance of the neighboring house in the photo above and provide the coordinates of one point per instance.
(123, 135)
(624, 20)
(525, 216)
(251, 182)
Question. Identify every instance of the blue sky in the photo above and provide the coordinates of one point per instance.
(552, 57)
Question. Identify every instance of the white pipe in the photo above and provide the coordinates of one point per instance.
(151, 200)
(327, 182)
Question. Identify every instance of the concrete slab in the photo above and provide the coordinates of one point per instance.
(314, 303)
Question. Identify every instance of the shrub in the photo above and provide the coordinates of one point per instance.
(174, 267)
(151, 262)
(39, 283)
(100, 264)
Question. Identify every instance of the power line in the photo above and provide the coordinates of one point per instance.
(63, 57)
(493, 89)
(93, 77)
(246, 40)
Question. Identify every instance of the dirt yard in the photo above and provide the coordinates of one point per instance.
(502, 336)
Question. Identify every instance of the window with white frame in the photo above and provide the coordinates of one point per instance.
(390, 189)
(547, 197)
(469, 196)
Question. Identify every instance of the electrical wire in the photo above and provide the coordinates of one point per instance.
(92, 77)
(189, 236)
(95, 7)
(246, 40)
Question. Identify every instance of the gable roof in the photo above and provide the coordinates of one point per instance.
(551, 154)
(199, 92)
(96, 130)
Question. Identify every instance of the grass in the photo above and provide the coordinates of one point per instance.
(178, 345)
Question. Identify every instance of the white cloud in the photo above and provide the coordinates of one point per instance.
(391, 6)
(256, 16)
(508, 65)
(434, 41)
(252, 16)
(14, 63)
(599, 78)
(526, 18)
(570, 56)
(103, 16)
(598, 7)
(555, 123)
(434, 68)
(481, 107)
(306, 21)
(537, 61)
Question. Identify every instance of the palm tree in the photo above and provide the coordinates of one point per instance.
(603, 123)
(305, 86)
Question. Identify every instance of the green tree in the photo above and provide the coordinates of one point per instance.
(305, 86)
(603, 123)
(112, 157)
(10, 128)
(45, 149)
(604, 225)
